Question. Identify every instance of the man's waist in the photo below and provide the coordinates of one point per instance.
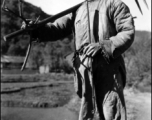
(80, 50)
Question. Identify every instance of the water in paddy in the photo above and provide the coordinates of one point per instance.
(61, 113)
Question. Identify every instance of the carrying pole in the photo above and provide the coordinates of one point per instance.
(43, 22)
(91, 68)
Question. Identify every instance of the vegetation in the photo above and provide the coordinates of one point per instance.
(138, 61)
(10, 23)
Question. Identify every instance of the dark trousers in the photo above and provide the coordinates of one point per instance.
(108, 85)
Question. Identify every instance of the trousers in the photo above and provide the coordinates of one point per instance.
(110, 102)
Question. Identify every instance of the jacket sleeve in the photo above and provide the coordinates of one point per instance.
(55, 31)
(124, 25)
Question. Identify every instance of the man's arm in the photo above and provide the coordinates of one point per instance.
(124, 25)
(54, 31)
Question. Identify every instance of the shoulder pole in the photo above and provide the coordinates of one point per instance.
(91, 67)
(43, 22)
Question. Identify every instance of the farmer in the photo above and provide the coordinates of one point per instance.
(103, 30)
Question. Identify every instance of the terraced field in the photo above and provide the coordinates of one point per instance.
(52, 97)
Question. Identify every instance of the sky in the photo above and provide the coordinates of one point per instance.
(142, 22)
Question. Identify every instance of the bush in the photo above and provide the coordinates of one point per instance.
(138, 61)
(66, 67)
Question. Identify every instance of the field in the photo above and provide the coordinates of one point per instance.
(52, 97)
(36, 90)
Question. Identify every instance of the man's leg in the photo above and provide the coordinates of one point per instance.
(86, 103)
(114, 106)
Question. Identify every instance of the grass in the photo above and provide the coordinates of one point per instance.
(5, 78)
(47, 90)
(18, 71)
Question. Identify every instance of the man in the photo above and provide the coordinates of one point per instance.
(100, 74)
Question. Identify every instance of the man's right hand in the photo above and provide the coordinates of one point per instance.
(27, 26)
(30, 26)
(92, 49)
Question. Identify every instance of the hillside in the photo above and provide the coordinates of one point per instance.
(10, 23)
(138, 61)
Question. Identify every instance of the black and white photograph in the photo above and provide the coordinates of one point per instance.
(75, 60)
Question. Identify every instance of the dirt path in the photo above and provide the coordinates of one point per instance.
(60, 113)
(138, 105)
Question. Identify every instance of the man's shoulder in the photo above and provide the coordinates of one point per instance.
(113, 1)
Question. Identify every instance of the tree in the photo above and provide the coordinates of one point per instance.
(10, 23)
(138, 60)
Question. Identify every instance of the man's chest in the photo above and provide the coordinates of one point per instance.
(82, 13)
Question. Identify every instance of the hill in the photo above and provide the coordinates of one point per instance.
(10, 23)
(138, 61)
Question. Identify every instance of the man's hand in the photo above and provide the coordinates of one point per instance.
(30, 24)
(92, 49)
(30, 27)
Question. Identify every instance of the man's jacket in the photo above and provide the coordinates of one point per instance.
(111, 25)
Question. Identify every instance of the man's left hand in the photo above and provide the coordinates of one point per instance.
(92, 49)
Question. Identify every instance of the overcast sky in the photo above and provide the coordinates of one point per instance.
(143, 22)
